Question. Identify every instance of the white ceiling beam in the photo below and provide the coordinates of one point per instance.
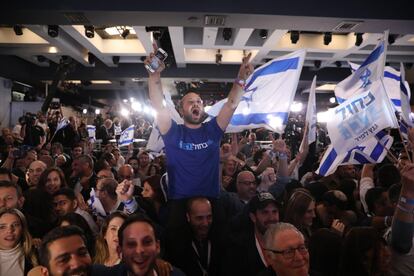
(269, 45)
(145, 38)
(242, 37)
(64, 43)
(177, 41)
(209, 37)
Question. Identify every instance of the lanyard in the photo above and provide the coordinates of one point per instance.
(203, 270)
(260, 250)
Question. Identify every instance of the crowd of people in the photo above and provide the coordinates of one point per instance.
(212, 204)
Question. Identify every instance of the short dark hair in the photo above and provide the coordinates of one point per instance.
(6, 171)
(372, 196)
(194, 199)
(8, 184)
(69, 193)
(56, 234)
(394, 192)
(132, 219)
(387, 175)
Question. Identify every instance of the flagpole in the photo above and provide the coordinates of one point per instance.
(404, 145)
(388, 151)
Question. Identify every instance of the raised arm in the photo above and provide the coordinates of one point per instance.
(235, 94)
(163, 118)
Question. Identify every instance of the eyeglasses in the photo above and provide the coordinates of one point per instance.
(290, 253)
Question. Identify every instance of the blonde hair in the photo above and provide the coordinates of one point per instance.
(26, 239)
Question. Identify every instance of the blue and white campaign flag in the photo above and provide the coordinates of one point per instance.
(359, 118)
(127, 136)
(391, 80)
(91, 132)
(373, 150)
(370, 71)
(62, 123)
(311, 113)
(405, 98)
(268, 95)
(155, 142)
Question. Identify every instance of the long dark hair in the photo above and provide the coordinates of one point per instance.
(45, 174)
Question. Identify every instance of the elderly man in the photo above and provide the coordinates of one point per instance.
(246, 186)
(286, 251)
(36, 168)
(83, 176)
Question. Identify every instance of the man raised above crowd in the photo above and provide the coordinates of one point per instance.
(192, 149)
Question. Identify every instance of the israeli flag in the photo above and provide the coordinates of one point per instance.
(405, 98)
(269, 93)
(91, 132)
(373, 150)
(311, 113)
(391, 80)
(365, 76)
(155, 142)
(127, 136)
(359, 118)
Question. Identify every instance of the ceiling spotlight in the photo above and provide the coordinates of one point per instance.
(115, 59)
(332, 100)
(218, 57)
(157, 32)
(391, 39)
(53, 30)
(89, 31)
(227, 33)
(84, 111)
(338, 64)
(91, 58)
(40, 58)
(263, 33)
(97, 111)
(317, 64)
(358, 39)
(294, 36)
(125, 33)
(327, 38)
(18, 29)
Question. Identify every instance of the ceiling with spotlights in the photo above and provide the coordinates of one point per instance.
(205, 40)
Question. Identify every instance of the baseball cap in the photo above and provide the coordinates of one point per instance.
(261, 200)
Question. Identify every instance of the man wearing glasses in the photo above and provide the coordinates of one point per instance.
(286, 251)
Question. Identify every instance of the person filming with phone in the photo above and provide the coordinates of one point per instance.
(193, 148)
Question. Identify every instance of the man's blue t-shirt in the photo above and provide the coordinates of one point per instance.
(193, 157)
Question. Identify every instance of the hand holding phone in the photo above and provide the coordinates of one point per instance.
(159, 57)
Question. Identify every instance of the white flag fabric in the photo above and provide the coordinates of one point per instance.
(311, 113)
(127, 136)
(405, 98)
(62, 123)
(269, 93)
(155, 142)
(370, 71)
(373, 150)
(360, 118)
(391, 80)
(91, 132)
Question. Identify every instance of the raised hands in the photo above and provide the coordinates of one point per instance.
(152, 58)
(246, 68)
(125, 190)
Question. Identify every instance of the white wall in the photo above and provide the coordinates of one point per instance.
(20, 108)
(5, 99)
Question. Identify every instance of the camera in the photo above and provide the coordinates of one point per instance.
(55, 104)
(160, 55)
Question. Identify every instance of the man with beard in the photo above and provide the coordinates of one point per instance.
(63, 252)
(193, 148)
(245, 250)
(139, 249)
(196, 249)
(83, 178)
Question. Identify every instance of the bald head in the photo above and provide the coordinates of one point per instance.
(125, 172)
(36, 168)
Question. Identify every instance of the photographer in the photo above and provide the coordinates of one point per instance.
(33, 135)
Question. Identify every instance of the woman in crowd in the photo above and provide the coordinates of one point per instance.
(107, 241)
(146, 168)
(300, 211)
(156, 195)
(17, 254)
